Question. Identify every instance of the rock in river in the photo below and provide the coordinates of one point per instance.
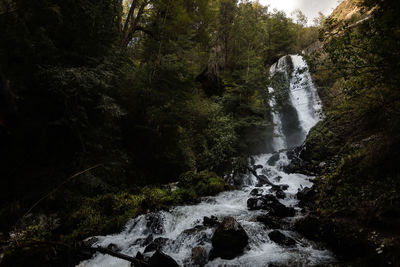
(272, 205)
(199, 256)
(281, 239)
(272, 160)
(210, 221)
(229, 239)
(160, 259)
(269, 222)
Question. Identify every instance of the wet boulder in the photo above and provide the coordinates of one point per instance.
(256, 192)
(159, 259)
(256, 167)
(157, 244)
(210, 221)
(262, 202)
(279, 190)
(269, 222)
(273, 159)
(271, 204)
(199, 256)
(279, 193)
(281, 211)
(229, 239)
(254, 203)
(281, 239)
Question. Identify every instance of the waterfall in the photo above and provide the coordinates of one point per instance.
(303, 95)
(181, 228)
(299, 104)
(278, 141)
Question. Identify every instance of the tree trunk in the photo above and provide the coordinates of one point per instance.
(134, 261)
(133, 24)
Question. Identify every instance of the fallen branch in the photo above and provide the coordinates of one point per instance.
(134, 261)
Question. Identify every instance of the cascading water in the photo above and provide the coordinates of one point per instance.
(278, 142)
(303, 95)
(295, 102)
(182, 229)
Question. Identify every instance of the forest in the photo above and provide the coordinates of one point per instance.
(118, 111)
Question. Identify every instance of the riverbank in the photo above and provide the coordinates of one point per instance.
(51, 241)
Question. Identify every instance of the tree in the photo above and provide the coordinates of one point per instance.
(280, 37)
(131, 25)
(365, 55)
(300, 18)
(319, 21)
(226, 16)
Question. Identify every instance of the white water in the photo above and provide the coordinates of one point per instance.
(278, 142)
(303, 95)
(261, 250)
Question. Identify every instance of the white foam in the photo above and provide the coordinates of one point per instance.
(303, 95)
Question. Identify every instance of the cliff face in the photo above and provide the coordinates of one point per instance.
(347, 10)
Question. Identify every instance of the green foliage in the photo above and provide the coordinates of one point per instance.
(322, 143)
(34, 233)
(204, 183)
(365, 56)
(219, 141)
(110, 212)
(44, 33)
(57, 58)
(103, 214)
(280, 37)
